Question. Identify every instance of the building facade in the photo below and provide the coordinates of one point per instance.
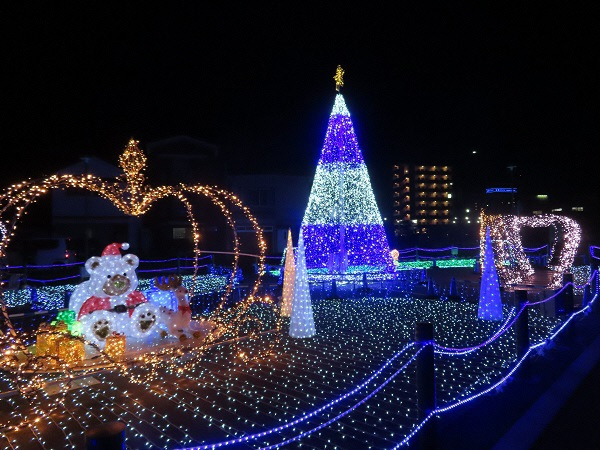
(423, 198)
(276, 201)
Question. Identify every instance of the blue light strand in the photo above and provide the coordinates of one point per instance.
(35, 280)
(166, 269)
(443, 249)
(54, 266)
(306, 416)
(463, 351)
(45, 266)
(503, 328)
(570, 283)
(150, 261)
(451, 406)
(352, 408)
(583, 310)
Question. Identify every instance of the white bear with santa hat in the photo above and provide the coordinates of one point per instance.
(108, 302)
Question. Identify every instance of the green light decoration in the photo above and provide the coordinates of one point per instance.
(68, 317)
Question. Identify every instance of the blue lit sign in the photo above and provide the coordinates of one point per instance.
(500, 190)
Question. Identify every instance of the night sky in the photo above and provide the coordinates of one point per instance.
(426, 82)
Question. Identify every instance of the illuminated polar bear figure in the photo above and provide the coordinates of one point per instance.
(109, 302)
(171, 297)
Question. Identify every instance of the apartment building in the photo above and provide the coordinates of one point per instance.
(422, 196)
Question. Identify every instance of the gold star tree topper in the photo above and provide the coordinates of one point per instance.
(339, 78)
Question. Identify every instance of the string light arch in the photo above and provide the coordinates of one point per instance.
(131, 195)
(512, 263)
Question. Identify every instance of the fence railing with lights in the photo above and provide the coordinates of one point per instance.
(47, 287)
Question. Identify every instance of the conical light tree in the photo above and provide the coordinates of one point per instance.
(302, 322)
(342, 225)
(289, 275)
(490, 300)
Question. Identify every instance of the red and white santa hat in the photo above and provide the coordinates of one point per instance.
(113, 249)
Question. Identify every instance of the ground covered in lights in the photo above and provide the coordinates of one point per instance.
(351, 386)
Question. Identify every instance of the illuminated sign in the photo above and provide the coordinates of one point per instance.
(501, 190)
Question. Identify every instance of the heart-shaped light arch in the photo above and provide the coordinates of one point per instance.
(505, 231)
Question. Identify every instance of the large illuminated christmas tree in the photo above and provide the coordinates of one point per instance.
(342, 227)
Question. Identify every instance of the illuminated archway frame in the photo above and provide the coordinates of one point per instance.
(132, 196)
(511, 262)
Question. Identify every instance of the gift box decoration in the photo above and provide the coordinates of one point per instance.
(46, 343)
(71, 350)
(115, 345)
(60, 326)
(75, 328)
(67, 316)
